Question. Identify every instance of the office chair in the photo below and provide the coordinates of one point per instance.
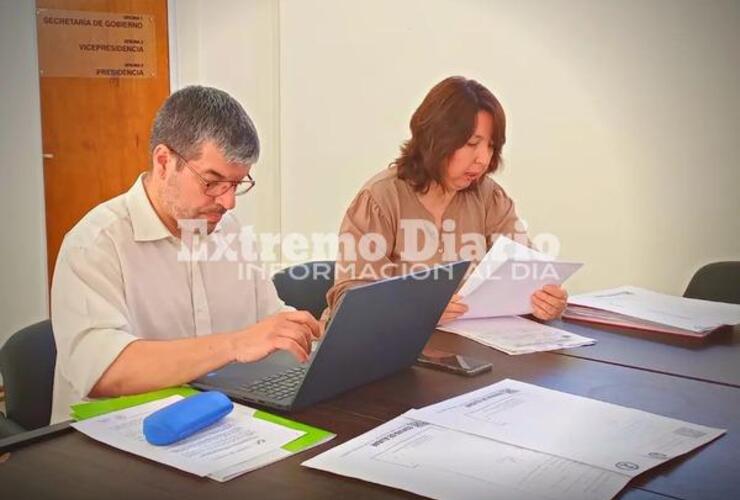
(27, 363)
(718, 281)
(304, 286)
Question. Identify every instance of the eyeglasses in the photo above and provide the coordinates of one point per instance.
(217, 188)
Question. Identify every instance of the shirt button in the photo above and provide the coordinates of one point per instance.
(439, 251)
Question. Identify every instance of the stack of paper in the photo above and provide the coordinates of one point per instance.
(500, 288)
(244, 440)
(634, 307)
(515, 440)
(506, 278)
(514, 335)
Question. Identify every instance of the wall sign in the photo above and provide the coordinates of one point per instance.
(95, 44)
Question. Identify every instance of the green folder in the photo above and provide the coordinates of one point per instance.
(313, 435)
(83, 411)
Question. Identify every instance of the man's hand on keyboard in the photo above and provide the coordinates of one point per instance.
(292, 331)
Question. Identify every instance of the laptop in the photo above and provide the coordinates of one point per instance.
(377, 330)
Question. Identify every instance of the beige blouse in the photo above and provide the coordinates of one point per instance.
(400, 234)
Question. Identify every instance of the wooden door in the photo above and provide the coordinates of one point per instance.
(95, 131)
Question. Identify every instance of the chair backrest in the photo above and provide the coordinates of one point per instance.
(27, 363)
(304, 286)
(718, 281)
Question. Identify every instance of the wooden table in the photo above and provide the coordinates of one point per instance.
(715, 358)
(74, 466)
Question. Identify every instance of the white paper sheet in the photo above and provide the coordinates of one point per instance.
(249, 465)
(446, 464)
(690, 314)
(260, 461)
(503, 249)
(514, 335)
(600, 434)
(235, 439)
(503, 282)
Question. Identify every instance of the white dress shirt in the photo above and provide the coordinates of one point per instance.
(120, 276)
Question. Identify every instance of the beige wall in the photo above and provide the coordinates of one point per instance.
(233, 45)
(623, 117)
(23, 289)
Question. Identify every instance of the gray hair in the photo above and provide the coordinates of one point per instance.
(196, 114)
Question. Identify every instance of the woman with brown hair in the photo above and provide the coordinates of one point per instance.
(436, 202)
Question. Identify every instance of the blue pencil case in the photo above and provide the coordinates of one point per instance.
(186, 417)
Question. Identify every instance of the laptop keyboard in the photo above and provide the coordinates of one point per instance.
(282, 385)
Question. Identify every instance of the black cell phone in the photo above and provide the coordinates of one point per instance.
(451, 362)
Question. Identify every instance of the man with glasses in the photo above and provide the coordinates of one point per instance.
(130, 314)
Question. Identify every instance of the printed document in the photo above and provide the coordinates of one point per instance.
(447, 464)
(228, 445)
(679, 312)
(514, 440)
(592, 432)
(514, 335)
(503, 282)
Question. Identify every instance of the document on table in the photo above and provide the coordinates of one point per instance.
(592, 432)
(514, 440)
(220, 451)
(679, 312)
(514, 335)
(442, 463)
(503, 282)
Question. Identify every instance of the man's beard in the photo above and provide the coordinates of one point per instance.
(170, 196)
